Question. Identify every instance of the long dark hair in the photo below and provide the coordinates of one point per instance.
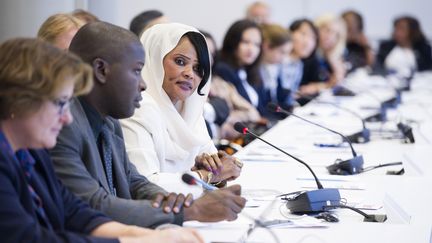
(200, 44)
(298, 23)
(415, 33)
(357, 15)
(232, 41)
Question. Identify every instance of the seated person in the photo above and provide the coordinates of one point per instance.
(277, 86)
(240, 110)
(145, 20)
(407, 51)
(304, 37)
(258, 12)
(59, 30)
(328, 63)
(239, 61)
(90, 156)
(168, 135)
(359, 53)
(37, 82)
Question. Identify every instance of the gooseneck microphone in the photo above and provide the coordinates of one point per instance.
(360, 137)
(341, 167)
(241, 128)
(307, 201)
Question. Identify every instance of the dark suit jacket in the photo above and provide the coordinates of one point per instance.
(69, 218)
(229, 74)
(78, 164)
(422, 53)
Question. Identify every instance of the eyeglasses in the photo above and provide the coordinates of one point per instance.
(62, 105)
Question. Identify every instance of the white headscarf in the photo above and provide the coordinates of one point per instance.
(186, 130)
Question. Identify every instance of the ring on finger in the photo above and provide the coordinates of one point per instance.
(238, 163)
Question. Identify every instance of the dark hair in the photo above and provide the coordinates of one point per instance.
(200, 44)
(208, 36)
(298, 23)
(415, 33)
(140, 22)
(357, 15)
(232, 40)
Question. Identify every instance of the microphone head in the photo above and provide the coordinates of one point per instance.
(273, 107)
(188, 179)
(240, 127)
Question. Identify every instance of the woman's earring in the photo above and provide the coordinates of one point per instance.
(12, 115)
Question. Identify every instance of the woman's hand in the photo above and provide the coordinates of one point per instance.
(209, 162)
(222, 167)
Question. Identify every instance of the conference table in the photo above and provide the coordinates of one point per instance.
(405, 199)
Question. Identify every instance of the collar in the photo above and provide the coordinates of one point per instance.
(95, 119)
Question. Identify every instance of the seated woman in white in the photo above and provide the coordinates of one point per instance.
(167, 135)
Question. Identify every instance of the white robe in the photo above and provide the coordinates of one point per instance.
(161, 141)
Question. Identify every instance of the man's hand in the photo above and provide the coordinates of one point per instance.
(218, 205)
(172, 202)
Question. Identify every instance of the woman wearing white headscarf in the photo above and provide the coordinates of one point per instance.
(168, 135)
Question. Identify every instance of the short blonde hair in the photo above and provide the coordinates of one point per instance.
(58, 24)
(328, 19)
(33, 71)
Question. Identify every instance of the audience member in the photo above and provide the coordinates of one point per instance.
(276, 47)
(145, 20)
(359, 53)
(167, 135)
(59, 30)
(239, 61)
(408, 50)
(258, 12)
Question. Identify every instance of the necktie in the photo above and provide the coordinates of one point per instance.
(107, 156)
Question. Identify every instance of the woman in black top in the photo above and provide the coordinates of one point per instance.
(407, 35)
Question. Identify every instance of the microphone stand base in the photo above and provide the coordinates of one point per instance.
(347, 167)
(313, 201)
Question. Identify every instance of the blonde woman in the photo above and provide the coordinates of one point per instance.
(329, 60)
(59, 29)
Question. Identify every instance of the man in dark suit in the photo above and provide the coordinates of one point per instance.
(90, 156)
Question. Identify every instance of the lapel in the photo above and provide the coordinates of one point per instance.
(93, 162)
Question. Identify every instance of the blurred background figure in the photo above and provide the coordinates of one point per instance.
(239, 60)
(239, 109)
(145, 20)
(304, 36)
(358, 51)
(329, 57)
(85, 16)
(408, 49)
(59, 29)
(258, 12)
(276, 47)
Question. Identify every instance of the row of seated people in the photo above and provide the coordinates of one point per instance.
(111, 200)
(162, 95)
